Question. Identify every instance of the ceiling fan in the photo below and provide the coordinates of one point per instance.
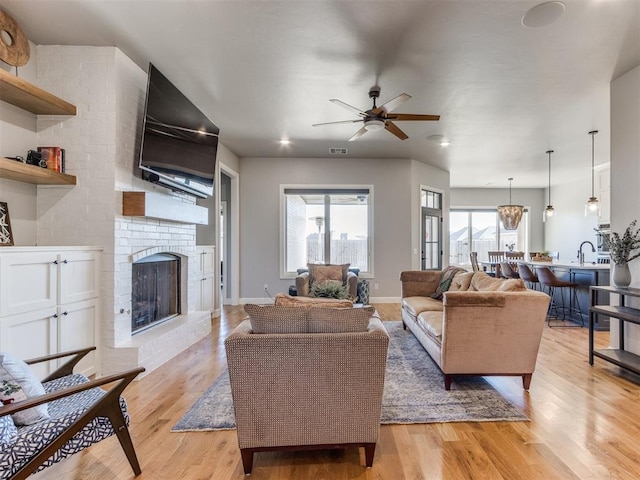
(381, 117)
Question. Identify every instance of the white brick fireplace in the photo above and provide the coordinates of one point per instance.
(101, 145)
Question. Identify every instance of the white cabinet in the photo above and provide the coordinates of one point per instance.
(49, 302)
(206, 278)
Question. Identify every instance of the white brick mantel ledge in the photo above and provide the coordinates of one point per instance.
(185, 252)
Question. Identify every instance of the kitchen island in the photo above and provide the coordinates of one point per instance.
(585, 275)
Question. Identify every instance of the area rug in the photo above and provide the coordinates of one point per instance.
(413, 393)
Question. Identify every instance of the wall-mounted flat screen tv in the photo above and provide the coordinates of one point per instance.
(179, 142)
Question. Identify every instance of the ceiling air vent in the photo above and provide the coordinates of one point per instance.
(338, 151)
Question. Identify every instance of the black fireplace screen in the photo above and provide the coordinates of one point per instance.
(156, 290)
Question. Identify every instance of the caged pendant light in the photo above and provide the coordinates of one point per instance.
(549, 212)
(592, 207)
(510, 215)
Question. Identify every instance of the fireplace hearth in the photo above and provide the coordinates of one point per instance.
(155, 295)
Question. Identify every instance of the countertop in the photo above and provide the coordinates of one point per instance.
(573, 265)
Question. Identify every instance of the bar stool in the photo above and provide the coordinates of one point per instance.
(528, 276)
(548, 279)
(508, 271)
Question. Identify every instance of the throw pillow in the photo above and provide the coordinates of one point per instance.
(277, 319)
(484, 283)
(446, 277)
(320, 272)
(461, 282)
(284, 300)
(18, 382)
(340, 320)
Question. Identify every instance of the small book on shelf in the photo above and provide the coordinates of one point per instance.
(54, 156)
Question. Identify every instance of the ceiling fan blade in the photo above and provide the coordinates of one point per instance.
(358, 134)
(333, 123)
(348, 107)
(393, 128)
(412, 116)
(392, 104)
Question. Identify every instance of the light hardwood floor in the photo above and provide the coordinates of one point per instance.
(584, 425)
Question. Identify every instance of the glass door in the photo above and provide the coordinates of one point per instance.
(431, 239)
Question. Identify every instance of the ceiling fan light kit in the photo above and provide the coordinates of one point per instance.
(379, 118)
(374, 125)
(592, 207)
(510, 215)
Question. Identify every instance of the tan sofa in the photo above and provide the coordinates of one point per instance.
(307, 378)
(482, 325)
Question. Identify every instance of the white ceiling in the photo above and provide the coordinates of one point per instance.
(263, 70)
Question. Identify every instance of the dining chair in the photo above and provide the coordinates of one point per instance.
(495, 258)
(474, 262)
(514, 255)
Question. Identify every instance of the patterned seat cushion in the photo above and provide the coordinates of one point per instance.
(32, 438)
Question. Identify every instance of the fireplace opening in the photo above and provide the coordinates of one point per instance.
(155, 295)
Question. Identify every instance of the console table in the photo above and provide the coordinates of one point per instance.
(618, 356)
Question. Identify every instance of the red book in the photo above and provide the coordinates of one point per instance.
(53, 157)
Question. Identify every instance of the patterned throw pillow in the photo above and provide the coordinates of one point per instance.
(18, 382)
(339, 320)
(277, 319)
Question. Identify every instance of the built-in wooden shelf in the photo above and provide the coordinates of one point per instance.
(25, 95)
(23, 172)
(162, 207)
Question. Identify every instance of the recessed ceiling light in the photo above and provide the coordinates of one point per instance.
(543, 14)
(285, 141)
(445, 143)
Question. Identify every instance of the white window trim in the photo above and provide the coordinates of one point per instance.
(288, 275)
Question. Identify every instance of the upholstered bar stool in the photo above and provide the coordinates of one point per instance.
(508, 271)
(548, 279)
(528, 276)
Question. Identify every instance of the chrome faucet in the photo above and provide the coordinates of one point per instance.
(581, 255)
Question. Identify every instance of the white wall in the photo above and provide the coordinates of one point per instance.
(260, 180)
(625, 175)
(570, 226)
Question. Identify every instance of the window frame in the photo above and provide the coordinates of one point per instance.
(322, 189)
(525, 224)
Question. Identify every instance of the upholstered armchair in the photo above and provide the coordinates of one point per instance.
(322, 273)
(314, 382)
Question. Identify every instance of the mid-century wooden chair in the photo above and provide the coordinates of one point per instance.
(81, 414)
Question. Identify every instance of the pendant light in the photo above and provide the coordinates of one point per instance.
(592, 207)
(510, 215)
(549, 212)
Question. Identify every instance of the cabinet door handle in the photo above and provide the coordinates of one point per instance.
(65, 261)
(55, 315)
(65, 313)
(55, 262)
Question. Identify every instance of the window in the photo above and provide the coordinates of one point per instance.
(327, 225)
(481, 231)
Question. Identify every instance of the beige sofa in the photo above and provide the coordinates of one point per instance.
(307, 378)
(482, 325)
